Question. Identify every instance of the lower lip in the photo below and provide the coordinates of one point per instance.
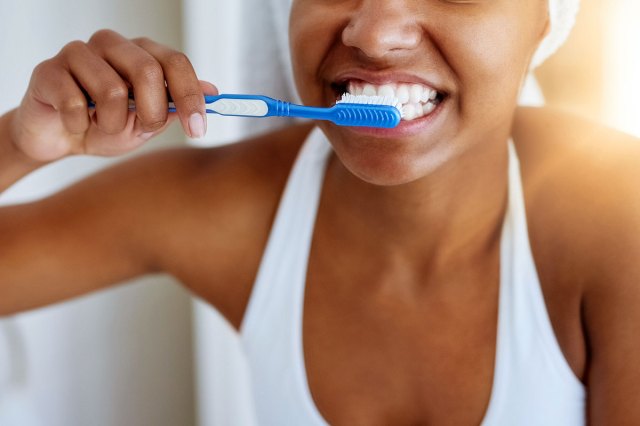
(415, 127)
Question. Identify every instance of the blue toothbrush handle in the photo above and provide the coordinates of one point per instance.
(343, 114)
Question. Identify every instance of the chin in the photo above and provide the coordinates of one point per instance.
(387, 162)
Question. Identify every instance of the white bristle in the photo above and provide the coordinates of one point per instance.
(348, 98)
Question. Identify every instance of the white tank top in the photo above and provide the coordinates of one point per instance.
(532, 384)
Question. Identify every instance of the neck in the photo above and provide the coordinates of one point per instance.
(454, 213)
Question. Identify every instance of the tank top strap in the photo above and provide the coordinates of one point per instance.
(524, 282)
(271, 332)
(532, 379)
(283, 265)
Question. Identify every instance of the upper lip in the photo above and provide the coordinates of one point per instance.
(388, 77)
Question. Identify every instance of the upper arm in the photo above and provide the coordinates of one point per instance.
(84, 238)
(202, 215)
(613, 325)
(611, 301)
(612, 322)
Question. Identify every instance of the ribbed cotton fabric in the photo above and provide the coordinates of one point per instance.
(533, 384)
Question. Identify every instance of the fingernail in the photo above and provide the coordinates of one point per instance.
(146, 136)
(197, 125)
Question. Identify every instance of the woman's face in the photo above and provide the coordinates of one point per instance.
(457, 65)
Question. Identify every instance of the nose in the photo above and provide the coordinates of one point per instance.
(382, 28)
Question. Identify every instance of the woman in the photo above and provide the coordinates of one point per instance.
(397, 281)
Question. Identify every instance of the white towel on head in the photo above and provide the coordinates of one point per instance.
(562, 14)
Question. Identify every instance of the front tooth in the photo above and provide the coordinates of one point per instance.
(409, 112)
(419, 112)
(387, 91)
(402, 93)
(428, 108)
(355, 90)
(415, 93)
(369, 90)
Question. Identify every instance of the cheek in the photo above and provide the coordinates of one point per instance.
(311, 36)
(489, 58)
(302, 54)
(493, 54)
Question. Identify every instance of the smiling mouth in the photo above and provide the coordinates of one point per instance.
(416, 100)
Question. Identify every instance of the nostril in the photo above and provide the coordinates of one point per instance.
(387, 27)
(381, 39)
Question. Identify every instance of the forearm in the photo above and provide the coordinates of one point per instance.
(14, 164)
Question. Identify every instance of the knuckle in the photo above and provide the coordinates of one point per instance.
(101, 35)
(192, 100)
(141, 40)
(115, 93)
(178, 60)
(73, 47)
(73, 105)
(150, 71)
(153, 118)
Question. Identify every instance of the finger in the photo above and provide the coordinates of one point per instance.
(103, 144)
(183, 85)
(130, 139)
(141, 70)
(53, 85)
(208, 88)
(143, 135)
(105, 86)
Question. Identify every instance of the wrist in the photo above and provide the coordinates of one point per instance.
(14, 163)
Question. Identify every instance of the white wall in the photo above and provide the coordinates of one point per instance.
(622, 66)
(121, 357)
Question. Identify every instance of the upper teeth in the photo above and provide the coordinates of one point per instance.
(416, 100)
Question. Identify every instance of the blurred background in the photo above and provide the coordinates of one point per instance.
(147, 353)
(597, 72)
(123, 356)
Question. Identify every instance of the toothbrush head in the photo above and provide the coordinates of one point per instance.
(368, 111)
(348, 98)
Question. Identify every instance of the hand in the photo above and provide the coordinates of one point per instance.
(53, 120)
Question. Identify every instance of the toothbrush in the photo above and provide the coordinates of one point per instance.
(350, 110)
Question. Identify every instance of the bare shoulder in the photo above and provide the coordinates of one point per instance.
(582, 190)
(581, 183)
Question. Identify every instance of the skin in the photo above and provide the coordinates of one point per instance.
(408, 227)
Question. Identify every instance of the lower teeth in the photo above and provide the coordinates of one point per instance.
(412, 111)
